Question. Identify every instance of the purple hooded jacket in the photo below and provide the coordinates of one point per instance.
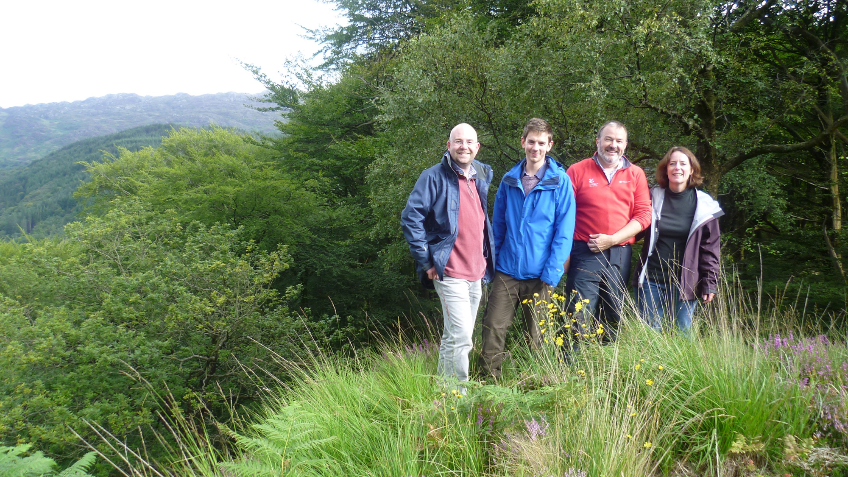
(701, 257)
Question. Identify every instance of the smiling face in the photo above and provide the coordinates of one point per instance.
(679, 170)
(463, 145)
(536, 146)
(611, 145)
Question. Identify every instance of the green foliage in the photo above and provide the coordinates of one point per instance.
(139, 295)
(330, 137)
(376, 27)
(14, 463)
(211, 176)
(651, 403)
(37, 199)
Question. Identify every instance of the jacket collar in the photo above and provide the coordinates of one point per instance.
(707, 208)
(448, 162)
(551, 180)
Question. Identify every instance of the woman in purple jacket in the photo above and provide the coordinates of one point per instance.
(680, 256)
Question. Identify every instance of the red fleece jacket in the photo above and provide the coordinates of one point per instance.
(605, 207)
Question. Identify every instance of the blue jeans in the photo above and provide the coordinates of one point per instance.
(654, 299)
(460, 300)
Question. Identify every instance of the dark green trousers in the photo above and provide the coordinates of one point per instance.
(506, 296)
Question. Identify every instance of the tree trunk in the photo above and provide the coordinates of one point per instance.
(707, 154)
(837, 260)
(834, 185)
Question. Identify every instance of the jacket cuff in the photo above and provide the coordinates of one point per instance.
(552, 281)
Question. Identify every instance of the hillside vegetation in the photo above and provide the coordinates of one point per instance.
(726, 403)
(37, 199)
(31, 132)
(234, 303)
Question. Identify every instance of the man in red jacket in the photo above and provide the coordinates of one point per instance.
(613, 205)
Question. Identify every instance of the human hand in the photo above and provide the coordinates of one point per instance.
(600, 242)
(432, 274)
(708, 297)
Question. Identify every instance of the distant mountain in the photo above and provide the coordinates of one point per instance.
(38, 198)
(33, 131)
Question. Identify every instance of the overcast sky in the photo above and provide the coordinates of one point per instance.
(60, 50)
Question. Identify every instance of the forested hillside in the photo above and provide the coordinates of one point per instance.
(37, 199)
(215, 266)
(31, 132)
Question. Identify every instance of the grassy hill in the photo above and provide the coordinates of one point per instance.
(30, 132)
(745, 397)
(38, 198)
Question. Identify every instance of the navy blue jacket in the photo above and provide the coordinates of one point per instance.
(429, 220)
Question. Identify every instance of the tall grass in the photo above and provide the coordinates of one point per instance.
(725, 401)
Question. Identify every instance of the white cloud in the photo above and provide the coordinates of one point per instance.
(68, 51)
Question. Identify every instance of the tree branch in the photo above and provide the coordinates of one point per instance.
(783, 148)
(749, 16)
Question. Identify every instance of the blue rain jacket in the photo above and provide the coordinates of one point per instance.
(534, 233)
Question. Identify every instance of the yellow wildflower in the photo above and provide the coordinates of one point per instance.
(649, 382)
(586, 300)
(559, 340)
(541, 322)
(647, 445)
(629, 436)
(632, 414)
(637, 367)
(536, 295)
(660, 367)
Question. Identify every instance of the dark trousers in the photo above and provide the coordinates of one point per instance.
(507, 293)
(601, 278)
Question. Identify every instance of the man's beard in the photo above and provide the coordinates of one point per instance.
(605, 158)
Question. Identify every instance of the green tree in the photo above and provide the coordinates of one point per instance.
(141, 295)
(688, 72)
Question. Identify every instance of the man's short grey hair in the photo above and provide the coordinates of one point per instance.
(611, 123)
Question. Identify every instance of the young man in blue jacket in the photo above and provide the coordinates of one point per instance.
(449, 234)
(533, 222)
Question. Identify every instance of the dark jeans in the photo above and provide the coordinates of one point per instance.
(600, 278)
(507, 293)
